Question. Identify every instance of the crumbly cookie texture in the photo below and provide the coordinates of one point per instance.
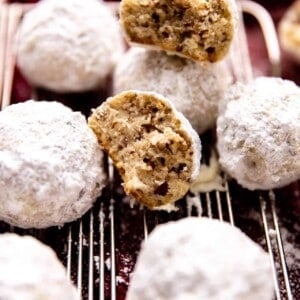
(50, 165)
(197, 29)
(200, 258)
(69, 46)
(154, 148)
(289, 31)
(30, 270)
(259, 133)
(194, 89)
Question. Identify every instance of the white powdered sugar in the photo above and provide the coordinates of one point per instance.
(210, 178)
(200, 258)
(259, 133)
(51, 168)
(30, 270)
(194, 89)
(70, 45)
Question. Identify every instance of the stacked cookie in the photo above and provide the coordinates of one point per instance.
(199, 30)
(165, 96)
(182, 39)
(153, 146)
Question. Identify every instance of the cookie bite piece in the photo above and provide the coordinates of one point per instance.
(51, 168)
(289, 31)
(194, 89)
(68, 46)
(31, 270)
(200, 258)
(154, 147)
(197, 29)
(258, 133)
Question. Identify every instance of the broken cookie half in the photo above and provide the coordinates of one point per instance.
(197, 29)
(154, 147)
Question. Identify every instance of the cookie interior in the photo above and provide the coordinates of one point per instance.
(201, 30)
(149, 147)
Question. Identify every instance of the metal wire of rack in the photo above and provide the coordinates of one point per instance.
(91, 247)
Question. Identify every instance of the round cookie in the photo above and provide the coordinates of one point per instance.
(289, 31)
(258, 133)
(30, 270)
(51, 168)
(68, 46)
(195, 90)
(197, 29)
(154, 148)
(200, 258)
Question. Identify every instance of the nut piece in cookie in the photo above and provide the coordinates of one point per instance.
(154, 147)
(197, 29)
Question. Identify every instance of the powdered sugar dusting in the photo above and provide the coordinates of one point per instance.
(258, 133)
(50, 165)
(176, 263)
(195, 90)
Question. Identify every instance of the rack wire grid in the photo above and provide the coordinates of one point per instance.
(100, 249)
